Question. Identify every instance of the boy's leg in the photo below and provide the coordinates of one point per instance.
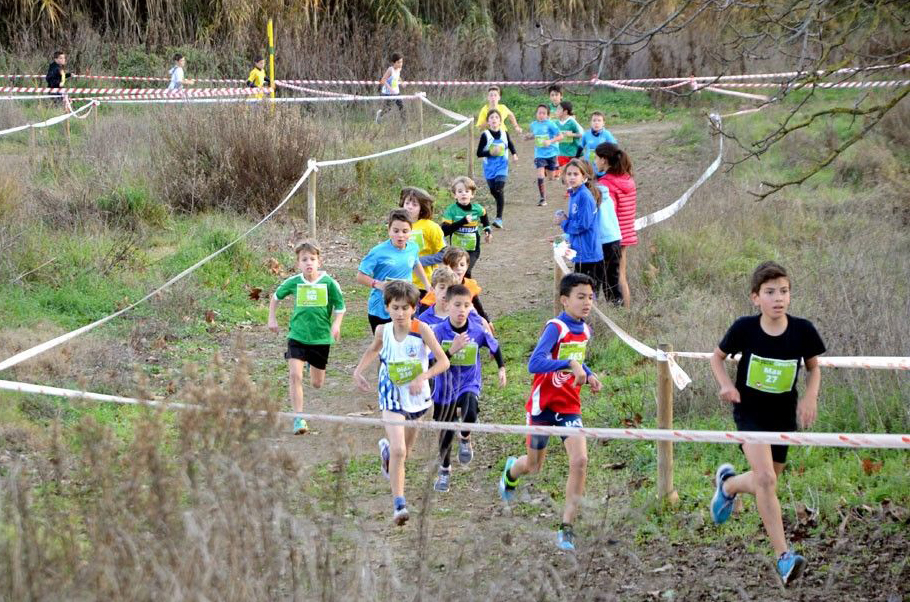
(444, 412)
(761, 481)
(295, 383)
(473, 256)
(497, 187)
(397, 451)
(623, 280)
(318, 358)
(577, 449)
(541, 172)
(467, 407)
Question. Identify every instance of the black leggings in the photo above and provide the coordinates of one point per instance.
(612, 292)
(376, 321)
(466, 406)
(473, 256)
(497, 189)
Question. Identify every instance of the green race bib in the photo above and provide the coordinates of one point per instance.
(572, 351)
(466, 356)
(540, 141)
(404, 371)
(770, 375)
(312, 295)
(417, 236)
(497, 149)
(464, 240)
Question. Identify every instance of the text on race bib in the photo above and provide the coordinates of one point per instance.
(541, 140)
(771, 375)
(464, 240)
(497, 149)
(404, 371)
(574, 350)
(417, 236)
(466, 356)
(312, 295)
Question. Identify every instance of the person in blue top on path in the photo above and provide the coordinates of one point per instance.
(394, 259)
(581, 223)
(594, 136)
(546, 135)
(457, 389)
(494, 146)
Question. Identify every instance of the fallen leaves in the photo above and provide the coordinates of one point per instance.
(870, 467)
(632, 422)
(210, 315)
(255, 293)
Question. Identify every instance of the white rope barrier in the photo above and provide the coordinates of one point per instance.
(854, 440)
(52, 121)
(190, 101)
(868, 362)
(311, 167)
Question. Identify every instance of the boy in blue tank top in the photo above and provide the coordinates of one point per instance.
(403, 348)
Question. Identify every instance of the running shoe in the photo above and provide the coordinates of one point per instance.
(384, 457)
(300, 426)
(542, 203)
(506, 487)
(721, 503)
(565, 539)
(442, 480)
(465, 451)
(497, 223)
(401, 516)
(790, 566)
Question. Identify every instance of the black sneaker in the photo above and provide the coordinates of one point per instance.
(542, 203)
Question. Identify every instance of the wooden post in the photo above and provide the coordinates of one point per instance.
(271, 35)
(557, 278)
(470, 129)
(311, 204)
(665, 489)
(31, 146)
(420, 116)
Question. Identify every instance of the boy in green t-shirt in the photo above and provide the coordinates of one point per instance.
(315, 323)
(571, 131)
(462, 219)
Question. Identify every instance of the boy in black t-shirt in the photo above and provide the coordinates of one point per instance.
(764, 398)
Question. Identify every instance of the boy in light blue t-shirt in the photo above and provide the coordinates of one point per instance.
(594, 136)
(546, 135)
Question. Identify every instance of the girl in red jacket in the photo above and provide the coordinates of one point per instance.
(618, 180)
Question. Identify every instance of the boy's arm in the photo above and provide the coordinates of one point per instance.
(442, 360)
(540, 361)
(433, 259)
(512, 147)
(807, 408)
(481, 147)
(273, 321)
(449, 227)
(369, 356)
(386, 75)
(728, 391)
(337, 317)
(514, 122)
(367, 280)
(478, 307)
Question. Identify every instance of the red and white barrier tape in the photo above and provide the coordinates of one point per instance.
(53, 120)
(187, 92)
(130, 78)
(854, 440)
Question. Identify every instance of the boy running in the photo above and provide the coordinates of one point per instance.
(494, 146)
(403, 348)
(493, 104)
(257, 77)
(555, 94)
(557, 364)
(764, 398)
(593, 137)
(572, 132)
(457, 389)
(390, 85)
(461, 220)
(315, 323)
(545, 134)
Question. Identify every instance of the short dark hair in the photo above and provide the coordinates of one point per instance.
(422, 197)
(768, 270)
(566, 106)
(570, 281)
(398, 215)
(258, 58)
(396, 56)
(543, 106)
(497, 88)
(58, 54)
(458, 290)
(494, 112)
(597, 113)
(306, 247)
(554, 88)
(177, 56)
(400, 289)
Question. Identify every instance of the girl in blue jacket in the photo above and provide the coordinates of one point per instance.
(581, 223)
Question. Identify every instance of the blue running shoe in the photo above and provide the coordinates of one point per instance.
(790, 566)
(565, 539)
(721, 503)
(506, 487)
(384, 457)
(442, 480)
(300, 426)
(497, 223)
(465, 451)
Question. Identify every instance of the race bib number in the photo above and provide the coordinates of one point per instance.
(417, 236)
(404, 371)
(541, 141)
(466, 356)
(572, 351)
(770, 375)
(497, 149)
(464, 240)
(312, 295)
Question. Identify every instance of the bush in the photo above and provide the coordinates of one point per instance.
(132, 205)
(237, 157)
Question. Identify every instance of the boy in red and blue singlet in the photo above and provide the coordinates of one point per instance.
(557, 364)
